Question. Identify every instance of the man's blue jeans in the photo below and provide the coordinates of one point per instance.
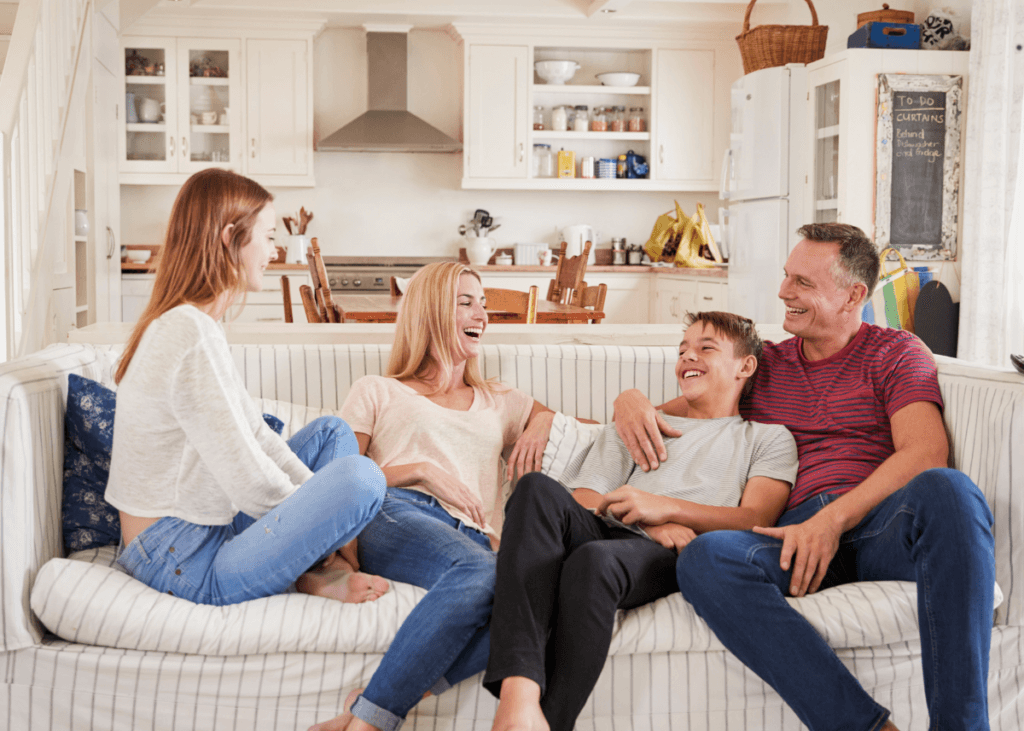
(248, 559)
(935, 531)
(446, 637)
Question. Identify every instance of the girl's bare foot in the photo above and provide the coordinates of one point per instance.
(340, 723)
(335, 579)
(519, 707)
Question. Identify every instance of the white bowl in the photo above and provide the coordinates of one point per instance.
(556, 72)
(139, 256)
(619, 78)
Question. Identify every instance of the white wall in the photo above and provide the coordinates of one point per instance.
(403, 203)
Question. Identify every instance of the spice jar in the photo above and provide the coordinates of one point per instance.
(543, 161)
(617, 119)
(581, 122)
(559, 119)
(599, 121)
(538, 118)
(637, 121)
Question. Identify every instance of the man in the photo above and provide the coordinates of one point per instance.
(872, 501)
(563, 571)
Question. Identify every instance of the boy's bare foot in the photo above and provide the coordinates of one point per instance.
(340, 723)
(519, 707)
(335, 579)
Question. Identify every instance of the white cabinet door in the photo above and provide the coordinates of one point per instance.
(673, 299)
(684, 117)
(497, 111)
(628, 298)
(149, 146)
(208, 130)
(279, 133)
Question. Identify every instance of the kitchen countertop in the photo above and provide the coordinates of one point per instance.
(147, 268)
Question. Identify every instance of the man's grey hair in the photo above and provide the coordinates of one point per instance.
(858, 256)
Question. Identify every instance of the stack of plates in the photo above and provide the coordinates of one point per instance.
(606, 168)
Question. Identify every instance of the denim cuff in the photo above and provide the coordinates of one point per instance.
(440, 686)
(375, 715)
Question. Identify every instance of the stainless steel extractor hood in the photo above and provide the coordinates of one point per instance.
(388, 126)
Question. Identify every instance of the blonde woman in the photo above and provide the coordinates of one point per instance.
(215, 506)
(437, 429)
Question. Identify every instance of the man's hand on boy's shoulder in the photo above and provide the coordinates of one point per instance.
(630, 506)
(640, 427)
(670, 535)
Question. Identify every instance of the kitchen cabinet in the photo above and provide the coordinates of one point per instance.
(683, 91)
(677, 294)
(497, 108)
(255, 92)
(181, 121)
(842, 117)
(266, 305)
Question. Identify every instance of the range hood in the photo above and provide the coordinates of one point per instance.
(388, 126)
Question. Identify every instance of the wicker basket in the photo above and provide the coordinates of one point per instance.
(777, 45)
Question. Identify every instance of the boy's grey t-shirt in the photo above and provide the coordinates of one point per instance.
(709, 464)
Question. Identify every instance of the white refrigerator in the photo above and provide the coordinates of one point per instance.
(764, 174)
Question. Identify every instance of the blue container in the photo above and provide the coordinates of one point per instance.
(886, 35)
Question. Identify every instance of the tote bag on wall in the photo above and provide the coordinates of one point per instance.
(892, 304)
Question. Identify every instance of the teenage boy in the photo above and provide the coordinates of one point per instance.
(567, 562)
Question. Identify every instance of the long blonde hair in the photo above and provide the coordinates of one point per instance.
(426, 333)
(194, 266)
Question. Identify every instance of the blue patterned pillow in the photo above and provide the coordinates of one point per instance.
(89, 520)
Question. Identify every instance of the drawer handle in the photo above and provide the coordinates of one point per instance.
(708, 299)
(170, 146)
(252, 148)
(184, 147)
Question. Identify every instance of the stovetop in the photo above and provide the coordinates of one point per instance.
(383, 262)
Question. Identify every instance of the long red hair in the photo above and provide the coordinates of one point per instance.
(194, 266)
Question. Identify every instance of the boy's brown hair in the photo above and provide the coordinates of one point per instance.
(740, 330)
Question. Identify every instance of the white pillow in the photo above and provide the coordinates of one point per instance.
(567, 447)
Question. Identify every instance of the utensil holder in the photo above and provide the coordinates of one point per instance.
(297, 247)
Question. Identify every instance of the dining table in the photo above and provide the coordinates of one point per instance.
(384, 308)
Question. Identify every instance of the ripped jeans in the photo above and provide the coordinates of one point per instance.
(248, 559)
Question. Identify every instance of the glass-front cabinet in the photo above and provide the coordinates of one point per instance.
(826, 151)
(178, 100)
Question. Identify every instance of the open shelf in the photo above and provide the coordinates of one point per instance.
(582, 136)
(590, 89)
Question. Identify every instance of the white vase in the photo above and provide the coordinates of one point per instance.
(479, 250)
(297, 247)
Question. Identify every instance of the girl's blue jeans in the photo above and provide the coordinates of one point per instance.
(248, 559)
(936, 531)
(446, 638)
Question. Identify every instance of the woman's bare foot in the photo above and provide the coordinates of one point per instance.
(519, 707)
(335, 579)
(340, 723)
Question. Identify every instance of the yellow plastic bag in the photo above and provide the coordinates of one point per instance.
(681, 239)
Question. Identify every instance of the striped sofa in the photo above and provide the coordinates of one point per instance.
(285, 662)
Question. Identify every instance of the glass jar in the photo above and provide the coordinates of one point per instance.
(581, 122)
(637, 121)
(538, 118)
(543, 161)
(599, 120)
(620, 168)
(617, 119)
(559, 119)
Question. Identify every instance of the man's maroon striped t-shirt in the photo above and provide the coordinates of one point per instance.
(839, 408)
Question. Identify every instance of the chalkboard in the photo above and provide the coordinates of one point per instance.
(918, 164)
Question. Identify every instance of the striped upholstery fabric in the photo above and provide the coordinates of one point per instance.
(649, 681)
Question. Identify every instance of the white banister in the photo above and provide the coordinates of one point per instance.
(44, 77)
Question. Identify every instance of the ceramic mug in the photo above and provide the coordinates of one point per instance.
(224, 116)
(209, 117)
(150, 110)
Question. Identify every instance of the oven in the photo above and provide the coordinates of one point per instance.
(348, 274)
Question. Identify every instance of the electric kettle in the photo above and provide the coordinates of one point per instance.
(575, 237)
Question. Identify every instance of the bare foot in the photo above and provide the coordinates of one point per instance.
(519, 707)
(335, 579)
(340, 723)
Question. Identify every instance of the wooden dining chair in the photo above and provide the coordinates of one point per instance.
(395, 291)
(325, 306)
(309, 303)
(593, 298)
(286, 292)
(569, 274)
(520, 306)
